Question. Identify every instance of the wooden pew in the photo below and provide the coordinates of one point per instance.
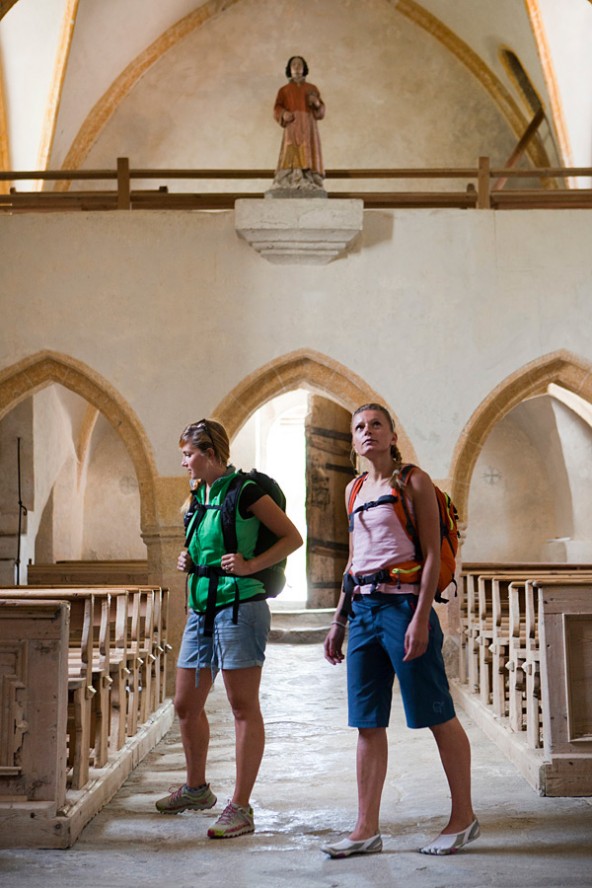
(127, 664)
(48, 715)
(33, 705)
(485, 619)
(517, 654)
(160, 648)
(83, 573)
(81, 662)
(517, 683)
(565, 620)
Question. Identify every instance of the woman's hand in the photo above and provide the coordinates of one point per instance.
(333, 644)
(234, 563)
(184, 561)
(416, 639)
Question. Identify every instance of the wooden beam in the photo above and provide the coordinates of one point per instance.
(483, 197)
(521, 147)
(5, 5)
(123, 183)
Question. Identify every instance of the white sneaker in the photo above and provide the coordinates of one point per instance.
(347, 847)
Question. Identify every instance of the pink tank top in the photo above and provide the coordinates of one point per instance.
(379, 541)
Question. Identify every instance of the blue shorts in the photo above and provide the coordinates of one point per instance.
(231, 646)
(375, 651)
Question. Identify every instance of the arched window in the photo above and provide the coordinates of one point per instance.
(520, 78)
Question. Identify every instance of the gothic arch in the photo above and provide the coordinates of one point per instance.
(561, 367)
(34, 373)
(305, 369)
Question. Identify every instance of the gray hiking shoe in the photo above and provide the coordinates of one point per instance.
(185, 799)
(233, 821)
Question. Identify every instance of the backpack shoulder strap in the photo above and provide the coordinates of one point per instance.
(355, 489)
(228, 512)
(195, 514)
(402, 509)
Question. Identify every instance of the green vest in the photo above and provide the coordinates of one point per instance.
(207, 547)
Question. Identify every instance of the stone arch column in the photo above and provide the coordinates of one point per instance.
(28, 376)
(306, 369)
(561, 367)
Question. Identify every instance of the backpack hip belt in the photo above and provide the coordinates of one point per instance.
(407, 572)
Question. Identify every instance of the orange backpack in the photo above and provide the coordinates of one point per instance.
(410, 572)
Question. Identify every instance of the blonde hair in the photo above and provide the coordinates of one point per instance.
(207, 434)
(395, 452)
(204, 435)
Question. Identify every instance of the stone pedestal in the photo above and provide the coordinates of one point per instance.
(306, 231)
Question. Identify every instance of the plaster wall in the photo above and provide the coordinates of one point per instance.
(36, 27)
(577, 437)
(17, 424)
(511, 502)
(433, 309)
(112, 502)
(108, 36)
(54, 520)
(568, 28)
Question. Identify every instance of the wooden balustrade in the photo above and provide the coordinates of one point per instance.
(114, 674)
(508, 673)
(480, 187)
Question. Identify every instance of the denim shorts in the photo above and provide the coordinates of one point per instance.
(231, 646)
(375, 651)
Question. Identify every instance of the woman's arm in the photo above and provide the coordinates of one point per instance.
(420, 490)
(289, 539)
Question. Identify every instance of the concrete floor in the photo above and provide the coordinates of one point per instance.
(305, 795)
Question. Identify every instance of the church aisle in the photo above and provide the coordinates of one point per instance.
(305, 795)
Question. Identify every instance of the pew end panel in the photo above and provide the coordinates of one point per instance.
(34, 703)
(565, 613)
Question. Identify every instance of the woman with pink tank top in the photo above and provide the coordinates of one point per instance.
(394, 630)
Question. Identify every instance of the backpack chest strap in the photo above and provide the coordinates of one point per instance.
(387, 499)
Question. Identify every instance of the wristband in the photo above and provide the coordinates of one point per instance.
(337, 623)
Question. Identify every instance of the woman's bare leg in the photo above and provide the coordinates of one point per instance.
(455, 753)
(193, 721)
(371, 765)
(242, 689)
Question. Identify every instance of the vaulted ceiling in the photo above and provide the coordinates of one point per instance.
(82, 81)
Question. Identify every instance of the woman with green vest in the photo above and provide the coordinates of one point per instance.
(227, 625)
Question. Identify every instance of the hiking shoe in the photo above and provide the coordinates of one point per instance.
(185, 799)
(233, 821)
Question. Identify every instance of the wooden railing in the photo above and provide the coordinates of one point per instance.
(481, 187)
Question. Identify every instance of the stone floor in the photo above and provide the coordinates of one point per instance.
(305, 795)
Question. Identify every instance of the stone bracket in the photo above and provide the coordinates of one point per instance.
(306, 231)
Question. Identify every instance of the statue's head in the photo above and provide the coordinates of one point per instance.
(290, 73)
